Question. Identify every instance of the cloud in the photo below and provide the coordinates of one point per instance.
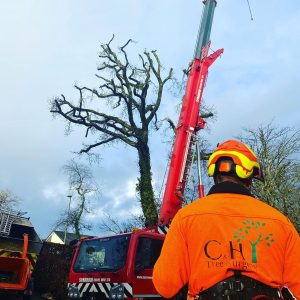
(120, 202)
(122, 197)
(55, 192)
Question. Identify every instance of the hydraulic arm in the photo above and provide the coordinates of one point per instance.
(189, 121)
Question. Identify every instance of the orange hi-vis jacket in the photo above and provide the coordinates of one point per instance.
(224, 231)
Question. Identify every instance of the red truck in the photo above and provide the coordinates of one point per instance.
(15, 275)
(115, 266)
(120, 266)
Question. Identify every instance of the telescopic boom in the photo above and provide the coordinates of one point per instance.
(189, 121)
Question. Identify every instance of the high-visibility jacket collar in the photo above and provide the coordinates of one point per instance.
(229, 187)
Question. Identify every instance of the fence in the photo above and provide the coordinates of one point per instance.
(51, 270)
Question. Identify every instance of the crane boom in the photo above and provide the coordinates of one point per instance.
(189, 121)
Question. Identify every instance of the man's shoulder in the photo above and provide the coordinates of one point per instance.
(198, 206)
(271, 212)
(233, 204)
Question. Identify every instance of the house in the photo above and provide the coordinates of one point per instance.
(12, 228)
(58, 237)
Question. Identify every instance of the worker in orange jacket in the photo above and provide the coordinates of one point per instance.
(230, 245)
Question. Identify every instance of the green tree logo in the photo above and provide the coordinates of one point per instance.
(252, 232)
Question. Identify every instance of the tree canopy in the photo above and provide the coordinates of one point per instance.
(122, 109)
(82, 186)
(8, 200)
(278, 151)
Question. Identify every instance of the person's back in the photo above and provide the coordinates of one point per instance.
(229, 234)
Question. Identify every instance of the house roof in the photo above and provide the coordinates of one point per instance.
(19, 227)
(15, 238)
(69, 236)
(23, 222)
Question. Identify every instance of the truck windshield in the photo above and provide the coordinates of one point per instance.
(103, 254)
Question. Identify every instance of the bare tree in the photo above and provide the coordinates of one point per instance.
(110, 224)
(122, 109)
(8, 200)
(278, 152)
(82, 184)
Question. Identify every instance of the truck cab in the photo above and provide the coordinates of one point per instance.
(115, 267)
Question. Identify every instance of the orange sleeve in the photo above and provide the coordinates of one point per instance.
(291, 272)
(172, 269)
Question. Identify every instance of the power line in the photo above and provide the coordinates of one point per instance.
(250, 10)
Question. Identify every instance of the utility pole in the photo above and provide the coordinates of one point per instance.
(67, 223)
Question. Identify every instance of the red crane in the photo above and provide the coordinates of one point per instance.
(189, 121)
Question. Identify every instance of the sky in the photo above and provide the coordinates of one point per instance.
(48, 46)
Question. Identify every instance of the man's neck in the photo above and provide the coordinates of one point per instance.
(229, 187)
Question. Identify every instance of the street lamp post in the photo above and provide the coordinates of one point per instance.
(67, 223)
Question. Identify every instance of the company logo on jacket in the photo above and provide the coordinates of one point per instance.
(240, 252)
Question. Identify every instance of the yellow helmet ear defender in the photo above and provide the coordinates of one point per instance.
(234, 158)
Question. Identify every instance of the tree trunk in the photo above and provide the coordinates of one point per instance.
(144, 186)
(77, 230)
